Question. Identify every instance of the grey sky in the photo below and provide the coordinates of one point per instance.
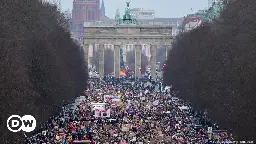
(163, 8)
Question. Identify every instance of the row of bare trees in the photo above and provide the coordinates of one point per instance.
(214, 67)
(40, 64)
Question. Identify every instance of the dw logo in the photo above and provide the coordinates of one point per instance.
(15, 123)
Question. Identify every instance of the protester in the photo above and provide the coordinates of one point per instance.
(127, 110)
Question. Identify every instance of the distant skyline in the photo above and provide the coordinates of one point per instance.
(163, 8)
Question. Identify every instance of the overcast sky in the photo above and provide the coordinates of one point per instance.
(163, 8)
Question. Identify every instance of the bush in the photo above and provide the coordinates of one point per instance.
(40, 64)
(213, 66)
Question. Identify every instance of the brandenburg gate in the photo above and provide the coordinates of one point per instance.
(127, 31)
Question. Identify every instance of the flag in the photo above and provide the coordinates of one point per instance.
(63, 139)
(122, 97)
(108, 113)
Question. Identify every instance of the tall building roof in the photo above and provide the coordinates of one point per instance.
(117, 16)
(142, 13)
(102, 8)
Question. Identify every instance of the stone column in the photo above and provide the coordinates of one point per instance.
(138, 49)
(117, 60)
(86, 54)
(124, 53)
(153, 61)
(90, 54)
(101, 60)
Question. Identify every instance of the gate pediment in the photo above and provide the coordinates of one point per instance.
(129, 31)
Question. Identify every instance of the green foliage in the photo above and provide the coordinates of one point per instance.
(40, 64)
(213, 66)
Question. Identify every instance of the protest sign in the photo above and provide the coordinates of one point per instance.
(126, 127)
(102, 113)
(111, 98)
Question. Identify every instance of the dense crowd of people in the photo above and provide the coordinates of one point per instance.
(128, 111)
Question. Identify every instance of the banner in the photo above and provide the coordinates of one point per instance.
(126, 127)
(102, 113)
(118, 103)
(111, 98)
(98, 106)
(156, 102)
